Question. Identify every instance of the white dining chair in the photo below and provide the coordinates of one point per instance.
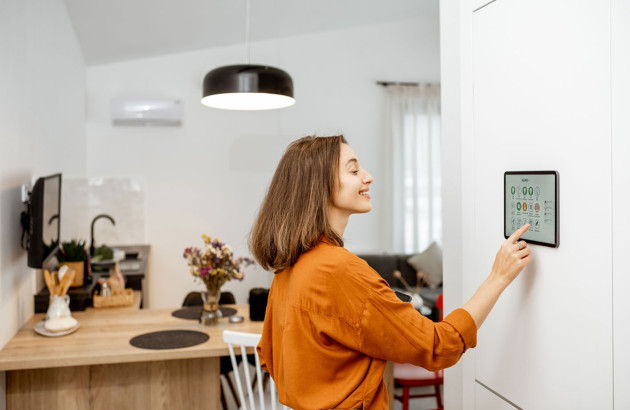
(245, 340)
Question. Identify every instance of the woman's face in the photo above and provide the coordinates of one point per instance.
(351, 195)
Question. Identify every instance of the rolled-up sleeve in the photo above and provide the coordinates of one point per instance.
(464, 324)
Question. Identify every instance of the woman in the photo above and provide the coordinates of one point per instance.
(332, 322)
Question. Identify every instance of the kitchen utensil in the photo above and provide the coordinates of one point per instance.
(49, 282)
(62, 284)
(68, 279)
(62, 271)
(55, 282)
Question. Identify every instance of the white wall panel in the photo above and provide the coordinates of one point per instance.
(620, 61)
(452, 35)
(456, 74)
(542, 102)
(487, 400)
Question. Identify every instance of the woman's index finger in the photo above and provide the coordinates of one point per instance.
(519, 232)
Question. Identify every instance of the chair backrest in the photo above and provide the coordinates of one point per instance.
(227, 298)
(194, 299)
(248, 340)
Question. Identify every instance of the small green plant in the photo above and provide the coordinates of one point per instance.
(73, 251)
(103, 253)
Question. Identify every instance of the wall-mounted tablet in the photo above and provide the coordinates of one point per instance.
(531, 197)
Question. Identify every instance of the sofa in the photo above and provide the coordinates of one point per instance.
(386, 264)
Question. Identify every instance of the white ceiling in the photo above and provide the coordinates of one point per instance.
(118, 30)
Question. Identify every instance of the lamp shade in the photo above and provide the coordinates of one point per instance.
(247, 87)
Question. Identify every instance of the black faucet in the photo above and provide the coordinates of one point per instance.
(92, 230)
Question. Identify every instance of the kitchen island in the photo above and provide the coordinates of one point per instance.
(97, 368)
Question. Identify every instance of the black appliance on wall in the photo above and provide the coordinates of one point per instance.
(41, 221)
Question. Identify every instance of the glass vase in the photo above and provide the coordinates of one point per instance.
(210, 313)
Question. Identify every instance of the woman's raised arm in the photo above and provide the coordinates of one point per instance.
(512, 257)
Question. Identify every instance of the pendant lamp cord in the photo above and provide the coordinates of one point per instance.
(247, 31)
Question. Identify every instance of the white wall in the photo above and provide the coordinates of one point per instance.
(542, 102)
(42, 117)
(620, 86)
(549, 74)
(210, 175)
(456, 72)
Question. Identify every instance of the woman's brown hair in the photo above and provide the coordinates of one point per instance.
(294, 214)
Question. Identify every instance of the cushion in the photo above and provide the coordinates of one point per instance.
(429, 262)
(410, 372)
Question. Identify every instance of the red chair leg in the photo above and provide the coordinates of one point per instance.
(405, 398)
(438, 396)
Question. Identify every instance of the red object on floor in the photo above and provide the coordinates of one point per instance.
(440, 305)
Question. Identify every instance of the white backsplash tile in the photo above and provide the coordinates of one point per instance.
(121, 198)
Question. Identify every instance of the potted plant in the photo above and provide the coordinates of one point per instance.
(214, 265)
(73, 255)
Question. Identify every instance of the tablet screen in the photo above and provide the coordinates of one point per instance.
(531, 197)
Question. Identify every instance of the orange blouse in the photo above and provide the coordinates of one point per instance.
(331, 325)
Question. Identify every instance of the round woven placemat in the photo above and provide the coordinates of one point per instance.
(194, 312)
(169, 339)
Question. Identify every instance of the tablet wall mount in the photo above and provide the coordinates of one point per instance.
(532, 197)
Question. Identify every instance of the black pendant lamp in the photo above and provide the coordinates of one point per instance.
(247, 86)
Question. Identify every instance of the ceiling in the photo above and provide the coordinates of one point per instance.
(119, 30)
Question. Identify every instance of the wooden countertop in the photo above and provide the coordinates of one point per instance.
(104, 335)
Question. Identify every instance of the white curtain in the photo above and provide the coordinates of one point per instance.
(413, 151)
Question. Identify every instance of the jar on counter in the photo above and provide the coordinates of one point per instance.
(105, 289)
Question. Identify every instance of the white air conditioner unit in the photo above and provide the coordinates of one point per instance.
(147, 112)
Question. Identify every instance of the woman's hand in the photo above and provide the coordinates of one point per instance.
(512, 257)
